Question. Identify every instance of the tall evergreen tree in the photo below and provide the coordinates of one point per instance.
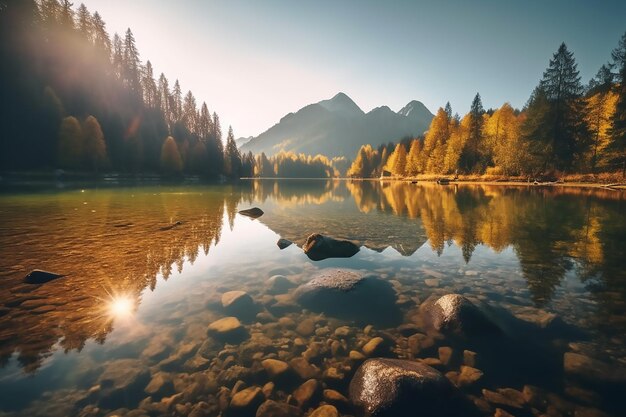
(232, 157)
(471, 156)
(85, 27)
(132, 64)
(617, 144)
(566, 130)
(100, 36)
(149, 86)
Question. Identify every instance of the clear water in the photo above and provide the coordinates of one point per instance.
(139, 296)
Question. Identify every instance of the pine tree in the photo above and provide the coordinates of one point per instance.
(189, 112)
(118, 57)
(131, 64)
(165, 98)
(471, 156)
(617, 145)
(232, 157)
(149, 86)
(562, 88)
(85, 27)
(100, 36)
(176, 107)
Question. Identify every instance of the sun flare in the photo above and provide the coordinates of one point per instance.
(121, 306)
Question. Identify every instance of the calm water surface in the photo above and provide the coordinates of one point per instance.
(134, 307)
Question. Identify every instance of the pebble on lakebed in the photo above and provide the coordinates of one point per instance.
(295, 362)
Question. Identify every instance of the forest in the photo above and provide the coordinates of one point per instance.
(79, 100)
(564, 127)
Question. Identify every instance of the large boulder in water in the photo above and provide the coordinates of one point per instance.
(318, 247)
(402, 388)
(348, 294)
(454, 314)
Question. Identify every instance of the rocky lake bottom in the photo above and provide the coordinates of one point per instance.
(459, 301)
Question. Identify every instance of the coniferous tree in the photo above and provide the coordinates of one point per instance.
(84, 23)
(149, 86)
(471, 156)
(232, 157)
(101, 38)
(177, 103)
(564, 124)
(132, 64)
(617, 133)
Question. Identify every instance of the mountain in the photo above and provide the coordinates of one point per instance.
(242, 141)
(338, 127)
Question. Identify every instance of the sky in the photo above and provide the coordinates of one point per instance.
(255, 61)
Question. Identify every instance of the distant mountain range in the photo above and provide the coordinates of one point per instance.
(338, 127)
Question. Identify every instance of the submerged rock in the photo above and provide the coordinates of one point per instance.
(239, 304)
(253, 212)
(245, 402)
(38, 276)
(350, 295)
(275, 409)
(279, 284)
(402, 388)
(455, 314)
(318, 247)
(122, 383)
(228, 329)
(592, 370)
(171, 226)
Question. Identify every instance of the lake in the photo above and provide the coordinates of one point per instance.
(124, 332)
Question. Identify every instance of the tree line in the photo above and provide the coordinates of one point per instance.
(292, 165)
(78, 99)
(564, 127)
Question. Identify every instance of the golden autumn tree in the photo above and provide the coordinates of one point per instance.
(171, 162)
(396, 164)
(435, 142)
(71, 149)
(599, 109)
(503, 139)
(95, 147)
(413, 158)
(456, 144)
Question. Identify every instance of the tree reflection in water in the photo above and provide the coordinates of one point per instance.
(112, 245)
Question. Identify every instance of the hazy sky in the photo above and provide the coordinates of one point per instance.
(254, 61)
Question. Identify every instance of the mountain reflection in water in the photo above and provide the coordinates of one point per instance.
(115, 243)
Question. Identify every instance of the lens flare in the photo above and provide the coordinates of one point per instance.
(121, 306)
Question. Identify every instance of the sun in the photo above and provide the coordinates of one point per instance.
(121, 306)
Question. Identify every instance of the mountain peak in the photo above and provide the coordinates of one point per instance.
(341, 103)
(413, 108)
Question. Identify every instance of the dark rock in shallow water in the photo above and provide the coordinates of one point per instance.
(283, 243)
(455, 314)
(402, 388)
(171, 226)
(239, 304)
(253, 212)
(318, 247)
(122, 383)
(279, 284)
(275, 409)
(350, 295)
(37, 276)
